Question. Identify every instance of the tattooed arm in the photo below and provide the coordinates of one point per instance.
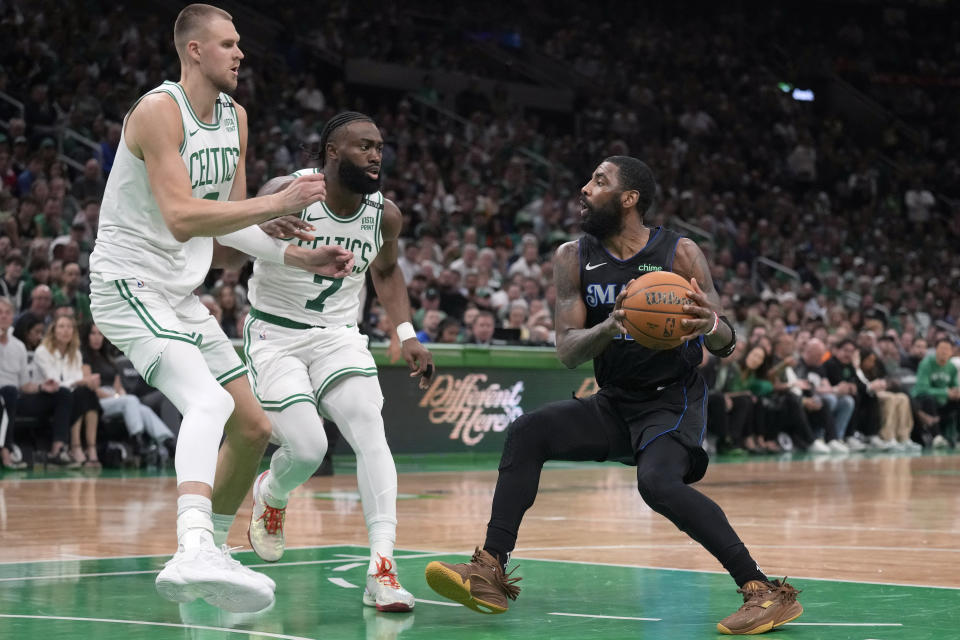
(575, 344)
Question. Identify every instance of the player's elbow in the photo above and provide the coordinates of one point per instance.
(179, 226)
(566, 358)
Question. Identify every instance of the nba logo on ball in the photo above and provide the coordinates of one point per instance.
(654, 308)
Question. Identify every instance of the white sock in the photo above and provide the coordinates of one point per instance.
(270, 497)
(382, 536)
(194, 521)
(221, 527)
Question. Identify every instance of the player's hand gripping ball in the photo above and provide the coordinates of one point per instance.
(653, 309)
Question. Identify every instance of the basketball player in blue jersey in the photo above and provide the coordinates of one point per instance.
(307, 358)
(650, 410)
(178, 181)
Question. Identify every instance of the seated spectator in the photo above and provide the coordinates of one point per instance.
(481, 331)
(841, 368)
(517, 319)
(761, 436)
(227, 301)
(13, 377)
(896, 413)
(58, 358)
(915, 355)
(44, 398)
(41, 303)
(69, 293)
(729, 412)
(140, 420)
(839, 400)
(449, 331)
(937, 393)
(799, 390)
(430, 331)
(13, 285)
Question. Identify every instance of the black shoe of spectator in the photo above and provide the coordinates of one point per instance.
(63, 459)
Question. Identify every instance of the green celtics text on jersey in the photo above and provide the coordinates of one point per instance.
(133, 240)
(305, 298)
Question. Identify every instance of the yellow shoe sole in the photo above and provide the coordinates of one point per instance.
(762, 628)
(450, 585)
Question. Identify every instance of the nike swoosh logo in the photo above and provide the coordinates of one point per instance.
(591, 267)
(193, 132)
(311, 218)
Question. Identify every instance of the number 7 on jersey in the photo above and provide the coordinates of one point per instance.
(317, 303)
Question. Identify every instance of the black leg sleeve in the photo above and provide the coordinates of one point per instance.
(660, 471)
(566, 430)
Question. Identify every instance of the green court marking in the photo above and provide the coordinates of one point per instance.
(114, 599)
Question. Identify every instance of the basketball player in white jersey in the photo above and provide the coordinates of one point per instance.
(181, 157)
(307, 358)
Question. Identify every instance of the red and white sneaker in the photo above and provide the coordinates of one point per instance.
(266, 525)
(384, 592)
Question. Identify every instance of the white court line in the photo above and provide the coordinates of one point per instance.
(687, 545)
(340, 582)
(347, 567)
(161, 555)
(143, 623)
(586, 615)
(723, 573)
(843, 624)
(421, 553)
(445, 604)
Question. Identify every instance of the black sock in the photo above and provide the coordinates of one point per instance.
(499, 556)
(743, 568)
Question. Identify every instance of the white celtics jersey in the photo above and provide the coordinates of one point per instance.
(292, 297)
(133, 240)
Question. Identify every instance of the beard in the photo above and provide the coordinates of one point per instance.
(602, 221)
(355, 178)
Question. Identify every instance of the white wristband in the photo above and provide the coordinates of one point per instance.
(716, 324)
(405, 331)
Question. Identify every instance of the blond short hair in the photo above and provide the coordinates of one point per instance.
(190, 21)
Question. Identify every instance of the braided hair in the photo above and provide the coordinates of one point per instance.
(341, 119)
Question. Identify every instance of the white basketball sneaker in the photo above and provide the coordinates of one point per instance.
(384, 592)
(266, 525)
(209, 573)
(237, 566)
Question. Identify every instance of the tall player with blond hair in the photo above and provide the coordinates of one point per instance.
(177, 183)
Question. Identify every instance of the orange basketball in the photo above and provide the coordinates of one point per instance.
(654, 309)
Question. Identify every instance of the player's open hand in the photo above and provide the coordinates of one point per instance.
(301, 193)
(420, 361)
(288, 227)
(330, 261)
(703, 312)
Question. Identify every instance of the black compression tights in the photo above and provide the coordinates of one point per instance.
(568, 430)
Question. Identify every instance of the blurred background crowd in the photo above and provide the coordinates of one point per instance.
(808, 147)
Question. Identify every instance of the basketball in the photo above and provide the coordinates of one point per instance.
(654, 309)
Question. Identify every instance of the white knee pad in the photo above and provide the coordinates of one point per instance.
(182, 375)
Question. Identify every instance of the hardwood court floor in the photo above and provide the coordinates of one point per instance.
(80, 553)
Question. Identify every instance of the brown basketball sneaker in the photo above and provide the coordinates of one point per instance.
(766, 605)
(480, 584)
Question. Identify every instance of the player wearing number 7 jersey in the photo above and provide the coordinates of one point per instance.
(307, 357)
(181, 157)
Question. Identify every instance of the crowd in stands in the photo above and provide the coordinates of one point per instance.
(863, 226)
